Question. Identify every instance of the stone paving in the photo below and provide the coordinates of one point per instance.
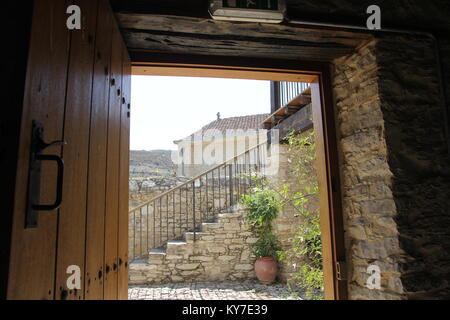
(225, 290)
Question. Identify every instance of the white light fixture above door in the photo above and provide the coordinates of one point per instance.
(264, 11)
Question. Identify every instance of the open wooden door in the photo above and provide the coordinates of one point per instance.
(76, 91)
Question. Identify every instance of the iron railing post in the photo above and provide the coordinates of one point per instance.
(220, 194)
(186, 209)
(193, 205)
(180, 210)
(134, 234)
(230, 168)
(200, 199)
(160, 221)
(148, 213)
(213, 192)
(173, 214)
(154, 224)
(206, 196)
(140, 232)
(167, 216)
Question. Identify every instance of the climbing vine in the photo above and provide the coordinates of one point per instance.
(305, 253)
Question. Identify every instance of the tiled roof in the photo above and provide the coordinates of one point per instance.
(254, 122)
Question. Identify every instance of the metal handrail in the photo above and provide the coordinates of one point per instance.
(197, 177)
(216, 189)
(289, 91)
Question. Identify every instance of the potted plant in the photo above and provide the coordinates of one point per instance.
(263, 206)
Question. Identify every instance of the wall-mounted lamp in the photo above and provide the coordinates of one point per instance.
(265, 11)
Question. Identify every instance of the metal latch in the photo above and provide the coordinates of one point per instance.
(341, 270)
(34, 175)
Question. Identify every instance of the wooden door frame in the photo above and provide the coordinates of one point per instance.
(155, 63)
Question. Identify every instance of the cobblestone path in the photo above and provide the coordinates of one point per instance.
(226, 290)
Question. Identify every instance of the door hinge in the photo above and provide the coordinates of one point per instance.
(334, 185)
(341, 270)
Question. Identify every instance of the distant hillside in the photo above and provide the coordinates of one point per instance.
(151, 163)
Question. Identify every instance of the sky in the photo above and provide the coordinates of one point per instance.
(164, 109)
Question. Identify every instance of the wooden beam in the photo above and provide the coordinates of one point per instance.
(177, 34)
(194, 8)
(300, 101)
(290, 110)
(212, 72)
(276, 118)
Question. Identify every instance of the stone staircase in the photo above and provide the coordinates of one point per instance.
(218, 251)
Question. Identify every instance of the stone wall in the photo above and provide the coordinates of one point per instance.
(369, 209)
(394, 169)
(418, 158)
(444, 45)
(142, 190)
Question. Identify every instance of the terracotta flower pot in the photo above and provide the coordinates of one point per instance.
(266, 269)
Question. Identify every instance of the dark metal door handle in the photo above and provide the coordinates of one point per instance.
(59, 183)
(34, 175)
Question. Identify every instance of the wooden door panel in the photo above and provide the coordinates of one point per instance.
(74, 89)
(123, 178)
(95, 244)
(32, 260)
(112, 170)
(72, 214)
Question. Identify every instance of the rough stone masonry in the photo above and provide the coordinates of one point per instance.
(221, 252)
(394, 179)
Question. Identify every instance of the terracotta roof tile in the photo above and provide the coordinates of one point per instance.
(244, 123)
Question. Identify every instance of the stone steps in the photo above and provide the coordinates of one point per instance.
(220, 252)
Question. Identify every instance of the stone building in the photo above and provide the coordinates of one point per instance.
(217, 142)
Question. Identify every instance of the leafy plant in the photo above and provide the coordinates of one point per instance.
(306, 250)
(263, 206)
(266, 246)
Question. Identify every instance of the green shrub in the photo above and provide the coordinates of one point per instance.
(266, 246)
(263, 206)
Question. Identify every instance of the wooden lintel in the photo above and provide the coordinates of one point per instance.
(175, 34)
